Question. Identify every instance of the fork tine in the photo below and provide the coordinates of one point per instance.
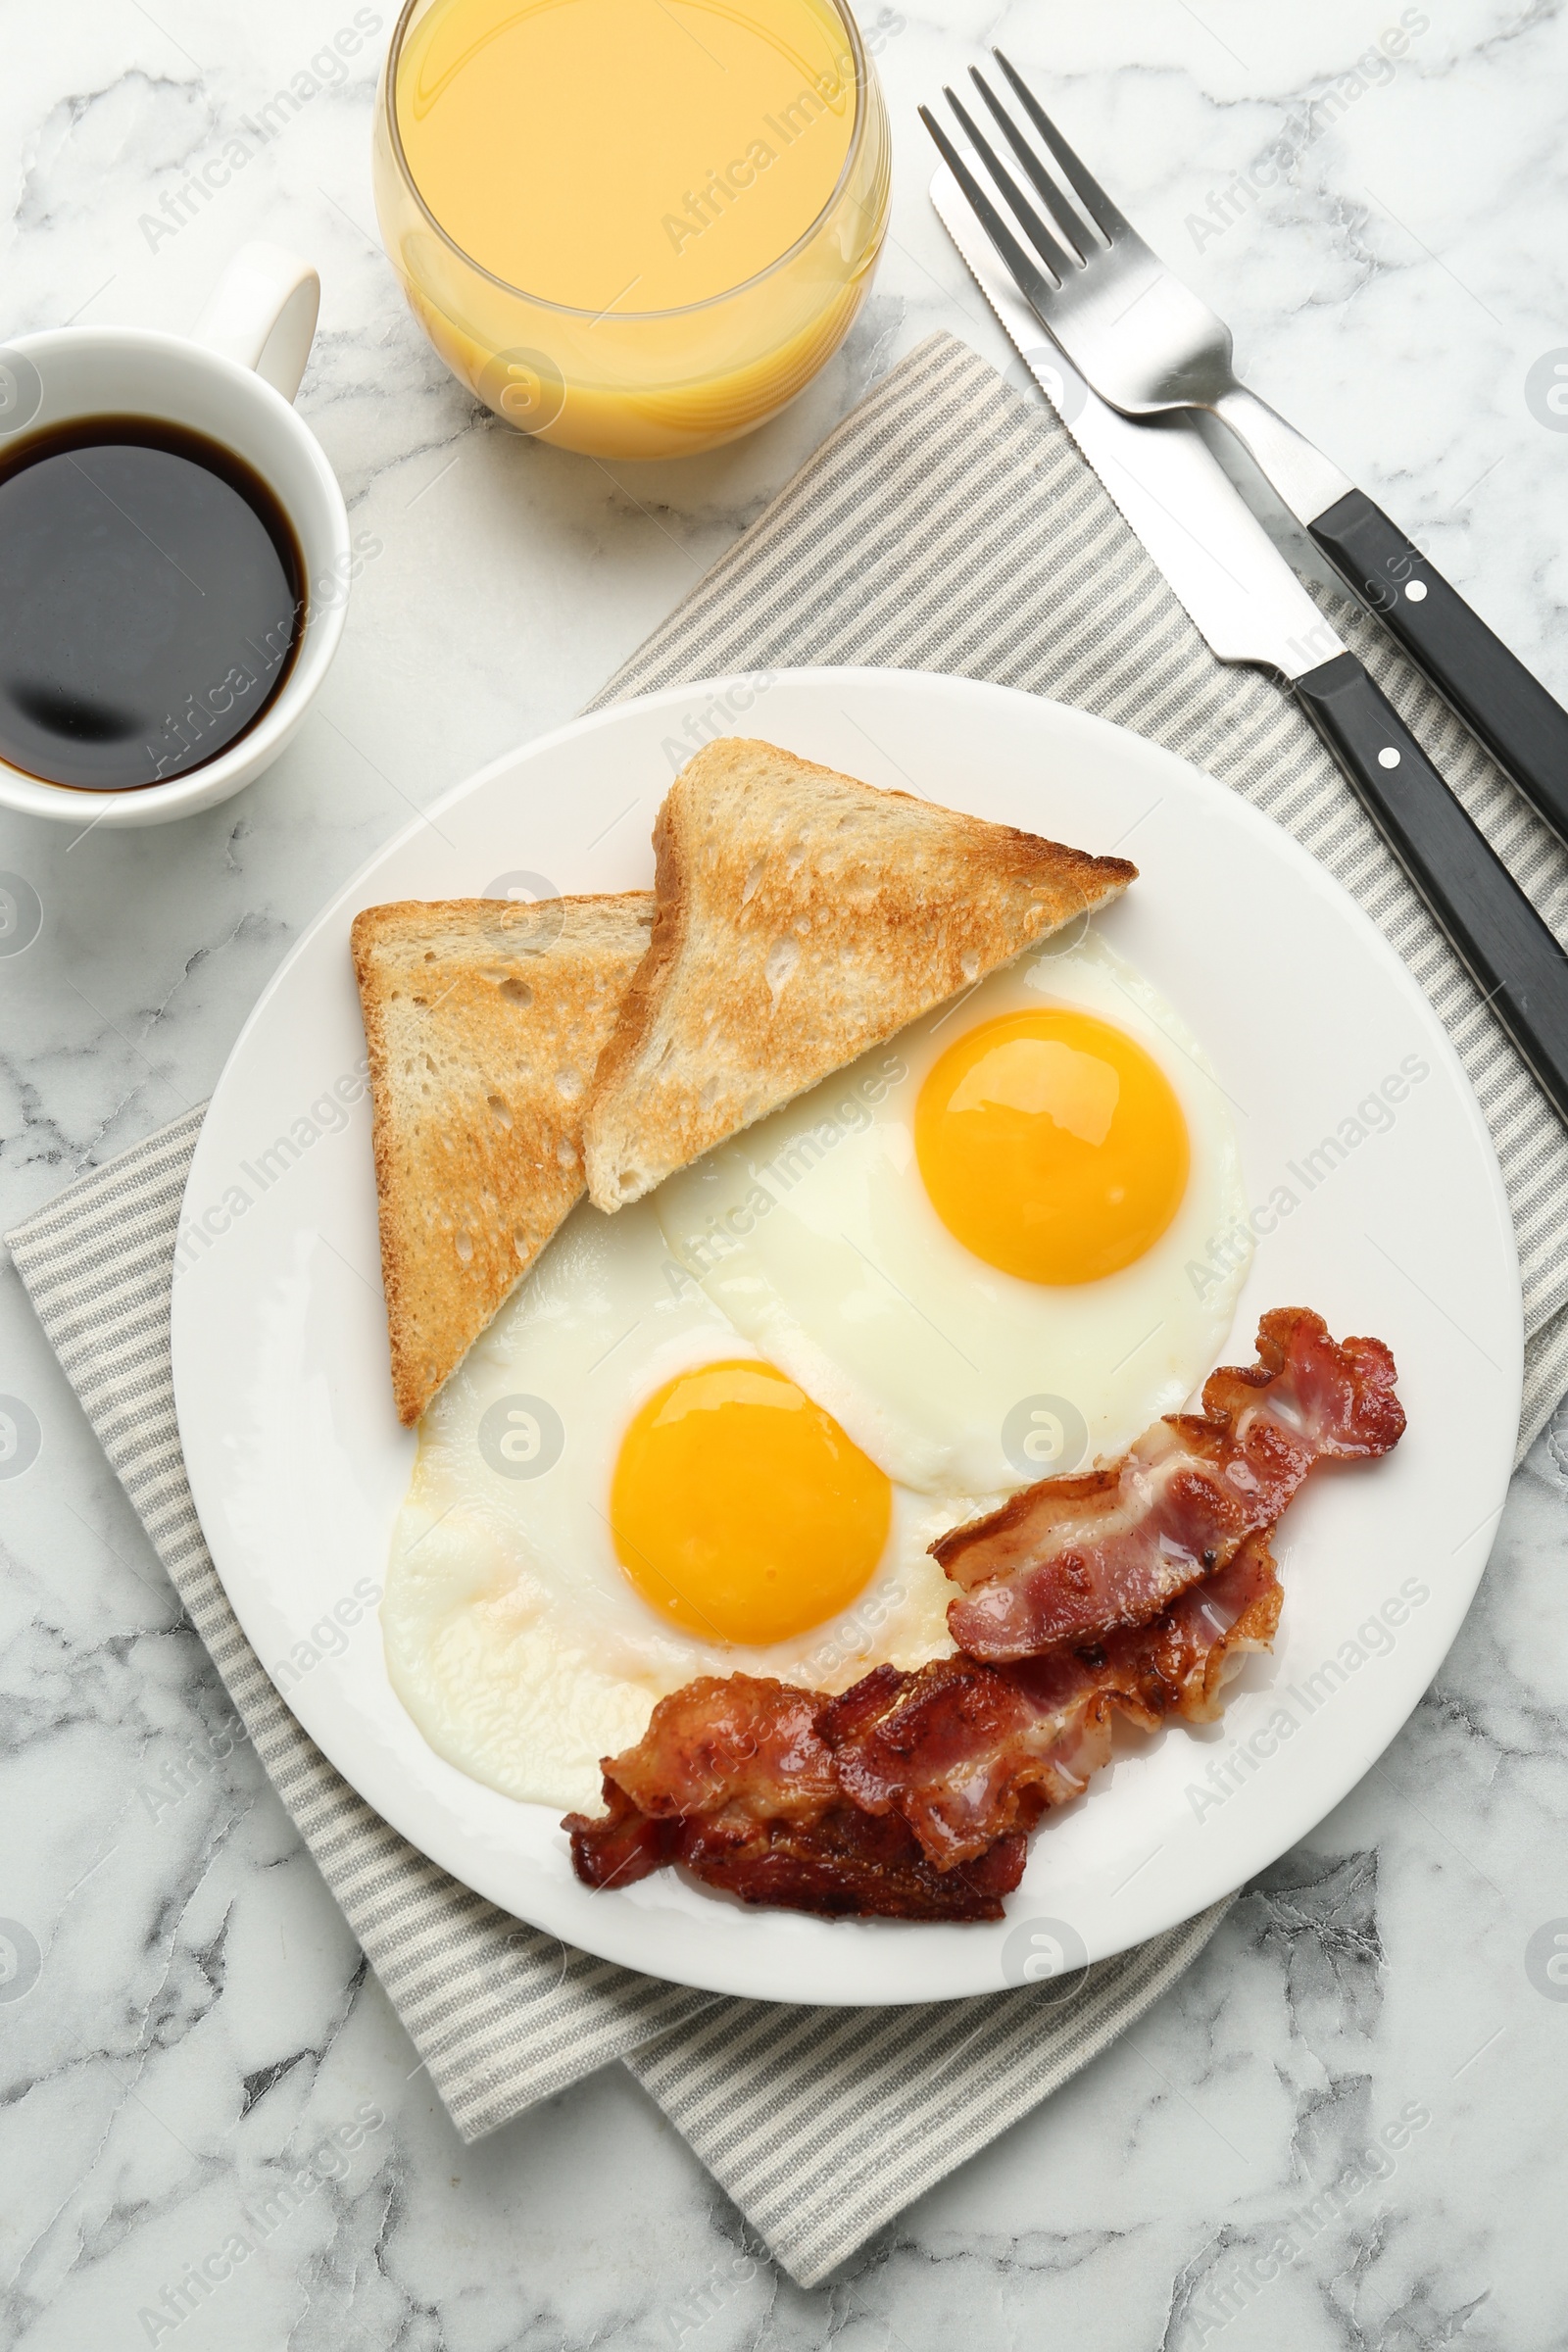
(1061, 212)
(1034, 228)
(1110, 224)
(1035, 287)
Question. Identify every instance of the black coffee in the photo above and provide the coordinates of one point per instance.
(151, 602)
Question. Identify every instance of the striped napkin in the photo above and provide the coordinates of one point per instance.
(947, 525)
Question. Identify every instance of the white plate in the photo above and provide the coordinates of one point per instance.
(298, 1463)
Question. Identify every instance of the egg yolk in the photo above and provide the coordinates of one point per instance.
(1051, 1145)
(740, 1509)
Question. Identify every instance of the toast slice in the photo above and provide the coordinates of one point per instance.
(801, 920)
(484, 1022)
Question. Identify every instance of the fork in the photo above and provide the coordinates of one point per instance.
(1147, 344)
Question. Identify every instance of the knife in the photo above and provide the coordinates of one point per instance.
(1249, 604)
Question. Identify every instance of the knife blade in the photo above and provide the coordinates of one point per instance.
(1249, 607)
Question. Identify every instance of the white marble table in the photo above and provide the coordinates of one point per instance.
(201, 2012)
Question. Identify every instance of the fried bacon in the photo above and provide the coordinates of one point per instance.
(1135, 1590)
(1072, 1559)
(732, 1779)
(967, 1753)
(910, 1794)
(1180, 1663)
(731, 1746)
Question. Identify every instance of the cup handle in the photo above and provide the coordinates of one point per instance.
(262, 312)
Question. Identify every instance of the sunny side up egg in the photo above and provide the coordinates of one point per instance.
(614, 1493)
(719, 1430)
(972, 1246)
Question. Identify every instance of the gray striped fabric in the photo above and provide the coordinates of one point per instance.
(822, 2123)
(498, 2017)
(946, 524)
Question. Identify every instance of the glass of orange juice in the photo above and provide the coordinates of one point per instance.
(634, 228)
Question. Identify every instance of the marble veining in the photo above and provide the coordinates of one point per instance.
(1341, 2127)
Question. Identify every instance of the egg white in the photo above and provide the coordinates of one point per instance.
(513, 1635)
(814, 1233)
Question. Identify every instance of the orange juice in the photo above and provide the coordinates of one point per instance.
(626, 152)
(633, 227)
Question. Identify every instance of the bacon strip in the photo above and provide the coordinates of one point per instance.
(851, 1866)
(967, 1753)
(732, 1781)
(731, 1744)
(910, 1795)
(1180, 1663)
(1072, 1559)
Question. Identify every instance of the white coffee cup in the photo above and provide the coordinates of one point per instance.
(233, 379)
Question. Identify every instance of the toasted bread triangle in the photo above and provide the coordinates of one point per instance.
(801, 919)
(484, 1022)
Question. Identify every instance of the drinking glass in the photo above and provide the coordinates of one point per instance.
(652, 383)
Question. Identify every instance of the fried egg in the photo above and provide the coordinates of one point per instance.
(615, 1492)
(719, 1431)
(973, 1246)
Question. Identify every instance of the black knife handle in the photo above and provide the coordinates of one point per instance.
(1511, 712)
(1512, 957)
